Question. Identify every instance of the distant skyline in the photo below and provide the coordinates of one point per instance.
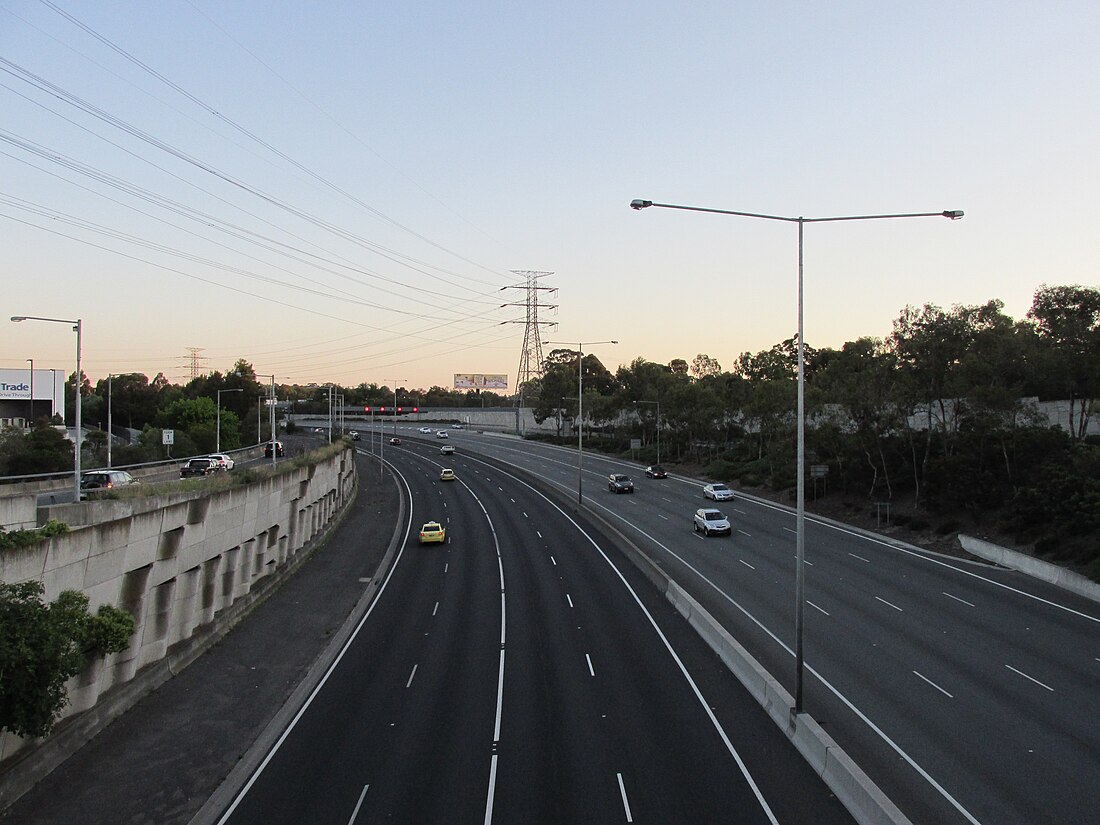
(340, 192)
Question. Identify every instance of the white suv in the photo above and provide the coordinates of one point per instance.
(711, 522)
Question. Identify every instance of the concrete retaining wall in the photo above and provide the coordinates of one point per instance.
(18, 512)
(180, 565)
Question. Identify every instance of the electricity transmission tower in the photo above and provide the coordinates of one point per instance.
(194, 367)
(530, 359)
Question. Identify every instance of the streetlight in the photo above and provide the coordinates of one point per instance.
(31, 362)
(800, 522)
(109, 420)
(271, 400)
(395, 380)
(78, 327)
(218, 437)
(580, 410)
(658, 403)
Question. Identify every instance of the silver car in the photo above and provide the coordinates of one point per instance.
(718, 492)
(711, 522)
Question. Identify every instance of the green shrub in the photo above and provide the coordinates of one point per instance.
(949, 526)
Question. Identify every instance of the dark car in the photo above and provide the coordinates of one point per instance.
(655, 471)
(278, 449)
(100, 482)
(619, 483)
(198, 467)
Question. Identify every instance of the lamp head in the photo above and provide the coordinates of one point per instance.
(638, 203)
(19, 318)
(953, 214)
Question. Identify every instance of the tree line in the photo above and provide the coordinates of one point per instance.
(934, 417)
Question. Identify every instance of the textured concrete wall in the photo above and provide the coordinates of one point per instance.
(1036, 568)
(18, 512)
(177, 563)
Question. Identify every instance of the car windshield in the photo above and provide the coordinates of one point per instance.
(719, 487)
(714, 515)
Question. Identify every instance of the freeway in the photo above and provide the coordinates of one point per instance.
(522, 672)
(960, 688)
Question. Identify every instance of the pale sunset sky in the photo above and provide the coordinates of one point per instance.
(339, 191)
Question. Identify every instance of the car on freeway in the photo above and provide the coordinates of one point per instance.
(456, 427)
(717, 492)
(199, 467)
(395, 441)
(99, 482)
(619, 483)
(447, 449)
(655, 471)
(223, 460)
(278, 449)
(433, 533)
(446, 474)
(441, 434)
(425, 430)
(711, 522)
(354, 435)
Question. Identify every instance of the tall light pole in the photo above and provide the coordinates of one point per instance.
(580, 410)
(271, 403)
(31, 419)
(78, 327)
(800, 532)
(109, 420)
(218, 403)
(395, 380)
(658, 403)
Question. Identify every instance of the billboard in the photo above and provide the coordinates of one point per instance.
(480, 381)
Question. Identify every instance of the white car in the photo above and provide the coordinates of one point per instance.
(224, 461)
(425, 430)
(711, 522)
(718, 492)
(447, 449)
(441, 434)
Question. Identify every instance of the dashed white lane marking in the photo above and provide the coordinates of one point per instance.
(588, 659)
(789, 530)
(526, 516)
(512, 500)
(1031, 678)
(933, 684)
(435, 609)
(446, 567)
(889, 605)
(664, 517)
(626, 802)
(742, 512)
(537, 533)
(746, 564)
(553, 561)
(412, 675)
(956, 598)
(358, 805)
(854, 556)
(568, 599)
(743, 533)
(811, 604)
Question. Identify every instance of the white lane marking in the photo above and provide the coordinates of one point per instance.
(512, 500)
(411, 676)
(811, 604)
(537, 533)
(933, 684)
(500, 488)
(854, 556)
(435, 609)
(743, 533)
(661, 516)
(568, 599)
(696, 534)
(789, 530)
(1036, 681)
(666, 499)
(956, 598)
(746, 564)
(742, 512)
(526, 516)
(808, 563)
(492, 788)
(446, 567)
(889, 605)
(588, 659)
(358, 805)
(626, 802)
(552, 561)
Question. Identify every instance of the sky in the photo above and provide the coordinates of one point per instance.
(345, 191)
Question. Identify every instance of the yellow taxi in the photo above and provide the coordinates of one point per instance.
(447, 475)
(433, 533)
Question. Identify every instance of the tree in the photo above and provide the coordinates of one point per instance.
(44, 645)
(703, 366)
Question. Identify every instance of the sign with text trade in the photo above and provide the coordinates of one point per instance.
(480, 381)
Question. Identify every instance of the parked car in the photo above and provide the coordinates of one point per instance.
(198, 467)
(278, 449)
(395, 441)
(655, 471)
(711, 522)
(224, 461)
(433, 533)
(446, 474)
(619, 483)
(718, 492)
(447, 449)
(99, 482)
(441, 434)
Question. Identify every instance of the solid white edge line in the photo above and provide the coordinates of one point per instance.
(626, 802)
(822, 609)
(933, 684)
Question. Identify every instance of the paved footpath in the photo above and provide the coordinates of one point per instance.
(159, 762)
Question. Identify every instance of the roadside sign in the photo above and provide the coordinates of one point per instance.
(168, 437)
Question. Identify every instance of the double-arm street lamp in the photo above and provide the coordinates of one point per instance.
(580, 410)
(800, 546)
(218, 437)
(658, 403)
(271, 416)
(78, 327)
